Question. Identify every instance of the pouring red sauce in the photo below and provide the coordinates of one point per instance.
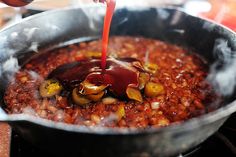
(117, 74)
(106, 29)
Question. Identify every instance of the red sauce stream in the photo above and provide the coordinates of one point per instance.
(118, 74)
(106, 30)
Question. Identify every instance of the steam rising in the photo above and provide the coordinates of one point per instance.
(97, 14)
(223, 71)
(14, 43)
(11, 66)
(94, 19)
(34, 47)
(29, 32)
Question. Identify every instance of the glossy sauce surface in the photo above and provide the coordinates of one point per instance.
(118, 74)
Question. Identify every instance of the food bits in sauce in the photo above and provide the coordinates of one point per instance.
(171, 88)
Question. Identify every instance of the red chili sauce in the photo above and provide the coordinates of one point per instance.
(180, 89)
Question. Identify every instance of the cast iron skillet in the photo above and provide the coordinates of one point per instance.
(61, 27)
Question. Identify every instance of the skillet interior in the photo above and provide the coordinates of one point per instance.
(164, 24)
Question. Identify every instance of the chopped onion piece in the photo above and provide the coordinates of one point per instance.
(155, 105)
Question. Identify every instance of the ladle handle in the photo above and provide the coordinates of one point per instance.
(16, 3)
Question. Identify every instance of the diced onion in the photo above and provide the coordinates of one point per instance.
(155, 105)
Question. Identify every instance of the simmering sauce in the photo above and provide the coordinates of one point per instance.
(181, 75)
(118, 75)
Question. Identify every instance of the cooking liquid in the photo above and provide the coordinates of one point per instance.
(118, 75)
